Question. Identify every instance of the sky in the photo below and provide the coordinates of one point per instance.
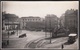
(38, 8)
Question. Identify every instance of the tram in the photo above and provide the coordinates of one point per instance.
(72, 38)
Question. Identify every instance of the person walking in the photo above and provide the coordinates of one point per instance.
(62, 46)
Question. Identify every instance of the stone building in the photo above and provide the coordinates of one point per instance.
(9, 24)
(9, 20)
(25, 21)
(70, 20)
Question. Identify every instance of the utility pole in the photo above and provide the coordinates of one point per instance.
(50, 28)
(45, 30)
(8, 32)
(60, 24)
(17, 30)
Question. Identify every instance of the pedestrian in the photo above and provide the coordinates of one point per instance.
(62, 46)
(7, 42)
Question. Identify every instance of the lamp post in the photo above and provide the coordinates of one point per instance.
(17, 30)
(50, 28)
(8, 33)
(45, 30)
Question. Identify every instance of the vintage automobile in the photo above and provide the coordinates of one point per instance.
(22, 35)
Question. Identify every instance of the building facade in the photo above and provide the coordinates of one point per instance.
(27, 20)
(9, 24)
(11, 21)
(70, 20)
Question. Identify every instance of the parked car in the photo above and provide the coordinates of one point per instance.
(22, 35)
(12, 33)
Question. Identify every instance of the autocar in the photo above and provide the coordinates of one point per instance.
(22, 35)
(12, 32)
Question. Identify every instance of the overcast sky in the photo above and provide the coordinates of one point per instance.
(38, 8)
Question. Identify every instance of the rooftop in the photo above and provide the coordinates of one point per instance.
(72, 34)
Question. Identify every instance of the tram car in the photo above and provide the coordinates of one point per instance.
(72, 38)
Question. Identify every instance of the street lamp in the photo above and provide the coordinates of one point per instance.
(8, 33)
(50, 28)
(17, 29)
(45, 30)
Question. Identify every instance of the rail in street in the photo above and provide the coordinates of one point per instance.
(35, 40)
(40, 43)
(33, 43)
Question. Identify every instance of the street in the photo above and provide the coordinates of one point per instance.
(16, 42)
(35, 40)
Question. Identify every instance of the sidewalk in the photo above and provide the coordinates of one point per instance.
(15, 42)
(72, 46)
(57, 45)
(15, 36)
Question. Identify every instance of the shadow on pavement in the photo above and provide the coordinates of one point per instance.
(67, 43)
(54, 37)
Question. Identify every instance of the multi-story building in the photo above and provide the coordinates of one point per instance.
(26, 20)
(70, 20)
(9, 23)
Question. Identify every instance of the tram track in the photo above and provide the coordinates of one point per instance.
(33, 43)
(37, 43)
